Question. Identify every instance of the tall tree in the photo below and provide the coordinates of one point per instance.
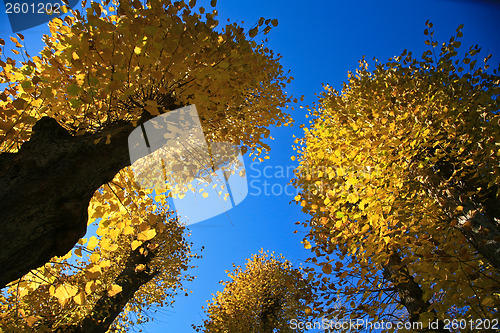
(66, 114)
(263, 297)
(135, 260)
(400, 175)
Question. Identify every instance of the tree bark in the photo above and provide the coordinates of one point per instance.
(45, 189)
(410, 293)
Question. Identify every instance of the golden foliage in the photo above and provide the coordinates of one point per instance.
(387, 167)
(102, 66)
(117, 62)
(65, 291)
(262, 297)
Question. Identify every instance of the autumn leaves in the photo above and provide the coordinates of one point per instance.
(427, 132)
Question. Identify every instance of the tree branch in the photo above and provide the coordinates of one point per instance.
(410, 293)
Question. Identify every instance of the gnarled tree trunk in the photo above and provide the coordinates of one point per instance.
(45, 189)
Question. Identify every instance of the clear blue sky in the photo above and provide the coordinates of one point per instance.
(320, 41)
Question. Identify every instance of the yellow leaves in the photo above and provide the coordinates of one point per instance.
(114, 290)
(64, 292)
(352, 198)
(94, 257)
(15, 41)
(90, 287)
(137, 50)
(107, 245)
(135, 244)
(307, 244)
(80, 79)
(146, 235)
(93, 242)
(79, 298)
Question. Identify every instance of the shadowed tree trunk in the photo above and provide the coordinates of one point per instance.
(479, 222)
(410, 294)
(45, 189)
(108, 307)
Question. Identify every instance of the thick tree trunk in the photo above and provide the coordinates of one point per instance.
(410, 293)
(45, 189)
(108, 307)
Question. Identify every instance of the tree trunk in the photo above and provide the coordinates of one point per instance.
(410, 293)
(45, 189)
(108, 307)
(479, 222)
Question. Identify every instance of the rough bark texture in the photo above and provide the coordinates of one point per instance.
(108, 307)
(45, 189)
(410, 293)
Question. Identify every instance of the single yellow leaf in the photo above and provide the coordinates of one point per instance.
(365, 229)
(114, 290)
(136, 244)
(140, 267)
(92, 243)
(128, 230)
(94, 257)
(79, 298)
(146, 235)
(90, 287)
(65, 292)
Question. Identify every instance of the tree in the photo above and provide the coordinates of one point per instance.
(263, 297)
(66, 114)
(135, 261)
(400, 175)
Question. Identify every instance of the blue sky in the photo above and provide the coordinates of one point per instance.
(320, 42)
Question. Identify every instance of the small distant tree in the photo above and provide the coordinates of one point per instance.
(263, 297)
(400, 173)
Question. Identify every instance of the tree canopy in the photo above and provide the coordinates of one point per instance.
(67, 112)
(65, 116)
(399, 172)
(263, 297)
